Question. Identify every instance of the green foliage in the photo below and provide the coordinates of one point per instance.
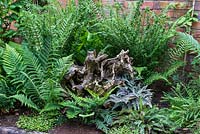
(5, 89)
(146, 120)
(71, 28)
(184, 102)
(36, 83)
(125, 129)
(86, 35)
(6, 104)
(166, 74)
(41, 123)
(89, 109)
(186, 20)
(85, 106)
(9, 13)
(184, 43)
(104, 119)
(144, 33)
(129, 96)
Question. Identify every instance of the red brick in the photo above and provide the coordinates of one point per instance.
(180, 29)
(149, 4)
(196, 25)
(196, 33)
(179, 13)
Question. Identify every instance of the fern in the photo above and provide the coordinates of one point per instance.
(35, 85)
(13, 60)
(85, 107)
(184, 102)
(25, 101)
(184, 43)
(166, 74)
(62, 66)
(51, 91)
(51, 107)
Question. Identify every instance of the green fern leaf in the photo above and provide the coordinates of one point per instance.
(62, 66)
(155, 77)
(12, 60)
(25, 101)
(50, 107)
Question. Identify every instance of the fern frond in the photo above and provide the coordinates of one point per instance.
(62, 66)
(184, 43)
(12, 60)
(25, 101)
(173, 68)
(3, 84)
(33, 67)
(31, 88)
(155, 77)
(50, 107)
(51, 91)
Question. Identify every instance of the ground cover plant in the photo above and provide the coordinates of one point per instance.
(78, 63)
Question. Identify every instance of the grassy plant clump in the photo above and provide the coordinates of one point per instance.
(36, 123)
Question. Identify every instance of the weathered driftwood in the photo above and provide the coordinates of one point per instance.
(99, 72)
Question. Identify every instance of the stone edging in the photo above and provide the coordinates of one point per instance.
(15, 130)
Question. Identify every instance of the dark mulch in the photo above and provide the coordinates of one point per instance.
(67, 128)
(75, 128)
(8, 120)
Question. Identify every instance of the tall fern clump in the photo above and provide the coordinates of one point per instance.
(36, 67)
(144, 33)
(85, 35)
(72, 27)
(36, 84)
(184, 100)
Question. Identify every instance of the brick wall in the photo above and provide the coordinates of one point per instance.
(182, 6)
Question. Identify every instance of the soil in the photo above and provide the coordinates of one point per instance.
(8, 120)
(75, 128)
(67, 128)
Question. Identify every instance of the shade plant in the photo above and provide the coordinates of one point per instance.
(184, 109)
(35, 68)
(144, 121)
(9, 14)
(143, 32)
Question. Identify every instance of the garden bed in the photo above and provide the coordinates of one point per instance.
(8, 126)
(86, 68)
